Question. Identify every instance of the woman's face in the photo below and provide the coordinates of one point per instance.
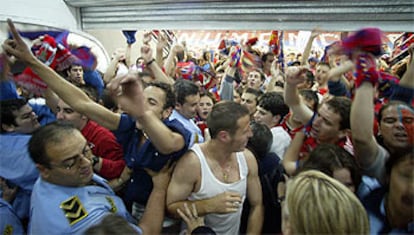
(204, 107)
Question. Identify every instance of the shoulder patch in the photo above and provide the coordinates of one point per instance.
(114, 209)
(74, 210)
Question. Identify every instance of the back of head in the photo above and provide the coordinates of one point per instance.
(261, 141)
(224, 116)
(184, 88)
(7, 107)
(318, 204)
(111, 224)
(52, 133)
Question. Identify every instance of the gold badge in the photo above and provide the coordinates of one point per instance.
(112, 203)
(8, 230)
(74, 210)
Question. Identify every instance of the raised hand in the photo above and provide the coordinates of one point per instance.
(295, 75)
(146, 53)
(16, 46)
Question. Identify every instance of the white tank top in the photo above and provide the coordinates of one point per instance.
(211, 186)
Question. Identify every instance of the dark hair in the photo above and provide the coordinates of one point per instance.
(261, 141)
(7, 107)
(330, 157)
(260, 71)
(387, 105)
(310, 95)
(184, 88)
(169, 94)
(111, 224)
(265, 55)
(322, 63)
(224, 116)
(342, 106)
(253, 91)
(90, 91)
(208, 94)
(273, 102)
(54, 132)
(398, 156)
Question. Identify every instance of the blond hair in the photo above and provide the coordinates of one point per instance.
(319, 204)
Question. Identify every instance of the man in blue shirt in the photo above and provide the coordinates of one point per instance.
(80, 197)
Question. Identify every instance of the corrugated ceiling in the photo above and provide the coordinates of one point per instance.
(396, 15)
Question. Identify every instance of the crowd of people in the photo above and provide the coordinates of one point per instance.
(243, 141)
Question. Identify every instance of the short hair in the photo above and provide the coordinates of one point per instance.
(398, 156)
(90, 91)
(184, 88)
(54, 132)
(224, 117)
(312, 95)
(265, 55)
(260, 71)
(253, 91)
(210, 95)
(111, 224)
(7, 107)
(329, 157)
(342, 106)
(261, 141)
(322, 63)
(274, 103)
(319, 204)
(387, 105)
(169, 94)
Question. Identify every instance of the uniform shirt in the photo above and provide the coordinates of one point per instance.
(189, 124)
(140, 185)
(18, 168)
(107, 148)
(9, 221)
(211, 186)
(57, 209)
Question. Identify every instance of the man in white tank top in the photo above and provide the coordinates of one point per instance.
(218, 175)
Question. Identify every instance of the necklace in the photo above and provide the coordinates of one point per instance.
(225, 172)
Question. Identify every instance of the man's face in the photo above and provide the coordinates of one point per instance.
(205, 106)
(265, 117)
(249, 101)
(241, 136)
(396, 125)
(189, 108)
(401, 193)
(326, 125)
(75, 75)
(26, 120)
(65, 112)
(321, 74)
(268, 62)
(70, 161)
(254, 80)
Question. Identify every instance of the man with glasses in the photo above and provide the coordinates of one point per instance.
(68, 197)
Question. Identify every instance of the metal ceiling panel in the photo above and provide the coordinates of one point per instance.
(348, 15)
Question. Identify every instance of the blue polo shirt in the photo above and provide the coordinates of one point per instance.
(140, 185)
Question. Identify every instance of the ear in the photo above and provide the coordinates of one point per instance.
(276, 120)
(343, 133)
(223, 136)
(44, 171)
(166, 113)
(8, 128)
(178, 106)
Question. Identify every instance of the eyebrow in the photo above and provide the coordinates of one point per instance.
(76, 155)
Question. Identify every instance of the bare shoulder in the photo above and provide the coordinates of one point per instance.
(188, 164)
(250, 159)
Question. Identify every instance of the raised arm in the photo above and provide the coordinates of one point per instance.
(151, 63)
(308, 47)
(254, 195)
(291, 157)
(69, 93)
(362, 117)
(110, 72)
(295, 76)
(161, 44)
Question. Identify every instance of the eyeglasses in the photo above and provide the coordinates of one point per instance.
(69, 163)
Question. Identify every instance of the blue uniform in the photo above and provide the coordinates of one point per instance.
(72, 210)
(189, 124)
(9, 221)
(140, 186)
(18, 168)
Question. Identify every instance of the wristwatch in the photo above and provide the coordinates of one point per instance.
(95, 160)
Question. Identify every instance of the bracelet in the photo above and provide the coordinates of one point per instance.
(150, 62)
(95, 160)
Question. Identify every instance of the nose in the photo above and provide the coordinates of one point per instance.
(59, 116)
(84, 160)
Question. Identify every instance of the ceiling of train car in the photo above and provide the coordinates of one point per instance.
(345, 15)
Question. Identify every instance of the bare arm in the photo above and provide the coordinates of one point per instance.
(295, 76)
(151, 221)
(159, 75)
(254, 194)
(362, 120)
(69, 93)
(308, 47)
(110, 72)
(407, 79)
(162, 43)
(292, 153)
(169, 64)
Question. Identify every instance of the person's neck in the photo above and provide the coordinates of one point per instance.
(217, 151)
